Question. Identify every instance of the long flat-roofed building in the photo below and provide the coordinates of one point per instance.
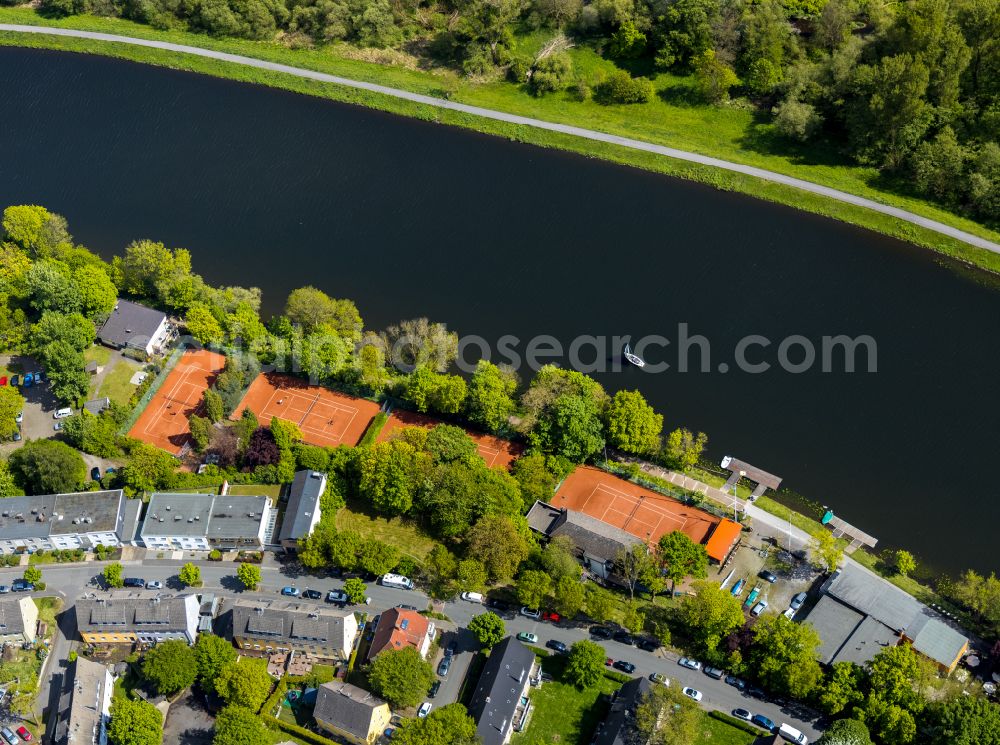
(140, 616)
(68, 521)
(202, 522)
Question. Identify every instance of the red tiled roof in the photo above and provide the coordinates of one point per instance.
(721, 542)
(398, 628)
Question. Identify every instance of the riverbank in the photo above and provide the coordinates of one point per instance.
(674, 126)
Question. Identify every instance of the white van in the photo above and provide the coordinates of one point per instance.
(398, 581)
(792, 735)
(63, 413)
(472, 597)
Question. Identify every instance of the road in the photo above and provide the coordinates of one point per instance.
(589, 134)
(71, 580)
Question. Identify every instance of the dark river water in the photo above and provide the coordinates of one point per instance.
(494, 238)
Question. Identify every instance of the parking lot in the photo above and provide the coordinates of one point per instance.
(39, 404)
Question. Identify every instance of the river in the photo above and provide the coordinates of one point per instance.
(408, 218)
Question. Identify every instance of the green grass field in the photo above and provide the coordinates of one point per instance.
(97, 353)
(564, 713)
(403, 534)
(732, 132)
(713, 732)
(116, 385)
(256, 490)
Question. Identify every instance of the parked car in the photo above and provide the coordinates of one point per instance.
(136, 582)
(624, 637)
(527, 637)
(95, 474)
(425, 709)
(452, 647)
(17, 436)
(743, 714)
(20, 417)
(312, 594)
(558, 646)
(336, 596)
(435, 687)
(659, 678)
(3, 380)
(759, 608)
(762, 721)
(531, 612)
(9, 736)
(601, 632)
(23, 733)
(648, 645)
(444, 666)
(757, 692)
(154, 585)
(15, 381)
(625, 667)
(403, 606)
(20, 585)
(57, 427)
(289, 591)
(62, 413)
(551, 616)
(472, 597)
(109, 471)
(4, 589)
(27, 380)
(768, 576)
(714, 672)
(501, 606)
(797, 601)
(693, 693)
(689, 663)
(737, 683)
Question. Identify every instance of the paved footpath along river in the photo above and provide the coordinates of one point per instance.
(410, 218)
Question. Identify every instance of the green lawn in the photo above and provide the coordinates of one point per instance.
(256, 490)
(98, 354)
(403, 534)
(563, 713)
(116, 385)
(732, 132)
(48, 608)
(713, 732)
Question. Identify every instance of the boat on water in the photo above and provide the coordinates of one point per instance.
(633, 358)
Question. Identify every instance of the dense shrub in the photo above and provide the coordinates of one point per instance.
(620, 87)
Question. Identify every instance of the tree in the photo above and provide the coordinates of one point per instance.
(97, 293)
(682, 449)
(499, 545)
(32, 574)
(355, 589)
(939, 166)
(170, 666)
(262, 450)
(7, 486)
(314, 309)
(11, 404)
(824, 546)
(34, 229)
(471, 575)
(783, 655)
(377, 557)
(713, 77)
(842, 689)
(236, 725)
(797, 120)
(71, 328)
(633, 426)
(213, 653)
(621, 88)
(893, 674)
(134, 722)
(449, 725)
(202, 324)
(50, 288)
(64, 367)
(964, 720)
(537, 481)
(600, 603)
(201, 431)
(559, 559)
(448, 444)
(488, 627)
(47, 467)
(533, 587)
(215, 410)
(632, 564)
(681, 557)
(490, 399)
(685, 31)
(585, 663)
(248, 575)
(148, 468)
(190, 575)
(905, 563)
(846, 732)
(628, 42)
(710, 615)
(113, 575)
(568, 597)
(401, 676)
(245, 683)
(665, 716)
(386, 476)
(414, 343)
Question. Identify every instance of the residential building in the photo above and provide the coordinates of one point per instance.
(136, 617)
(18, 620)
(500, 704)
(68, 521)
(399, 628)
(134, 326)
(597, 543)
(303, 511)
(723, 541)
(618, 727)
(860, 614)
(351, 713)
(264, 627)
(84, 705)
(202, 522)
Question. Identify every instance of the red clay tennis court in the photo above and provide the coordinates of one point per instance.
(625, 505)
(497, 453)
(164, 422)
(325, 417)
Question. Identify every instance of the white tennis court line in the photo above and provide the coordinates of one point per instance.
(318, 400)
(171, 399)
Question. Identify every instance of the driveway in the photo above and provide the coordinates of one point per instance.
(39, 406)
(188, 722)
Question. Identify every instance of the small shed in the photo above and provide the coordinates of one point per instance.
(92, 368)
